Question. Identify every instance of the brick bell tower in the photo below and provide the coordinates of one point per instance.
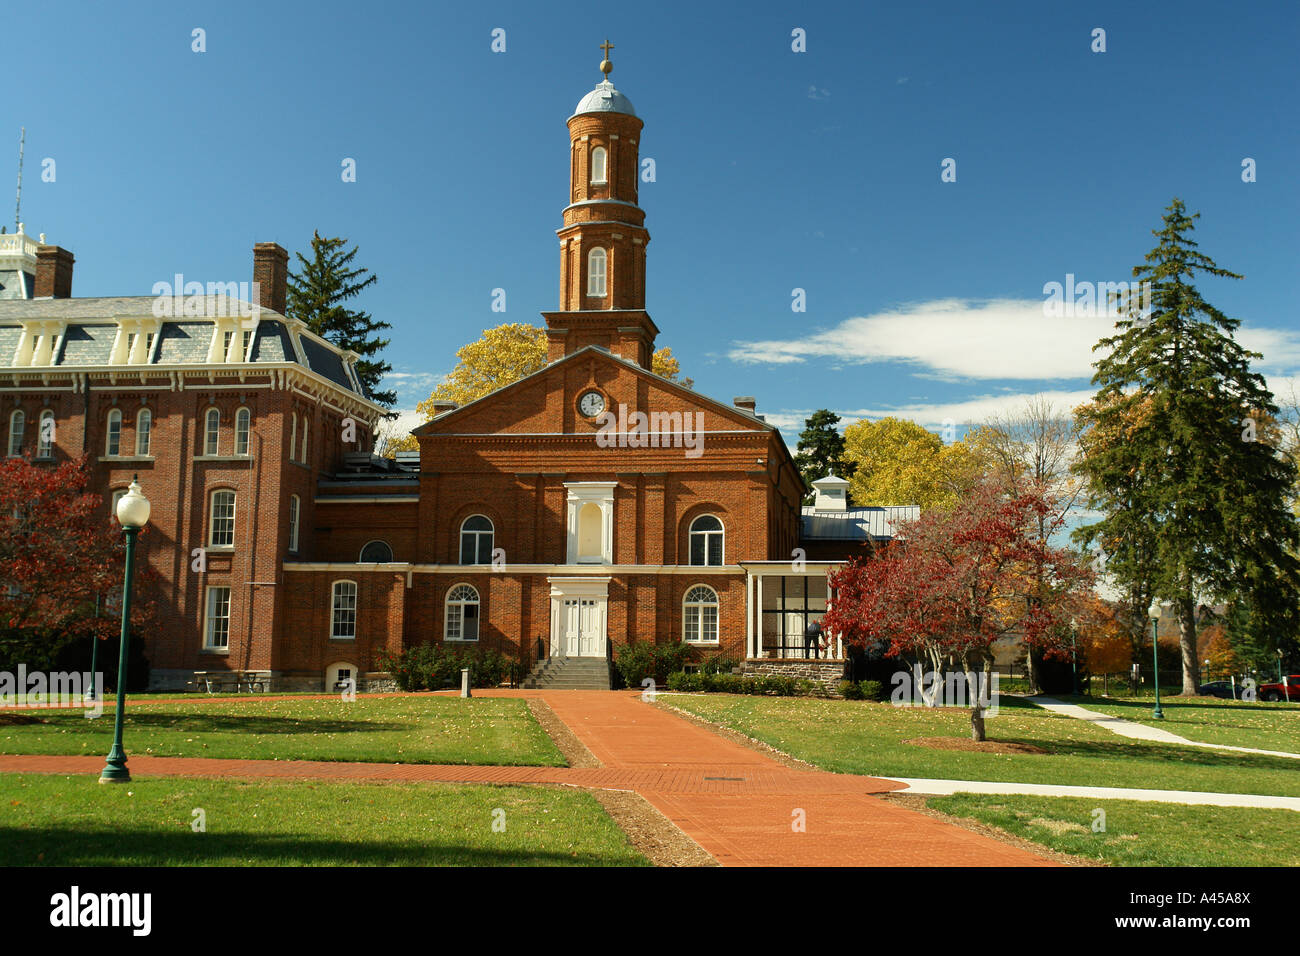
(603, 239)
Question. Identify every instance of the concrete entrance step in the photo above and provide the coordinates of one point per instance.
(570, 673)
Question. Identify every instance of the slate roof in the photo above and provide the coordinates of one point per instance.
(91, 326)
(855, 524)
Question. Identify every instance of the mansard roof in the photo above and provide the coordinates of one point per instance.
(87, 332)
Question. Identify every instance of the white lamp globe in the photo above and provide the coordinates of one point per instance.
(133, 507)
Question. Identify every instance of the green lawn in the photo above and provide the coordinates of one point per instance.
(75, 821)
(867, 738)
(422, 729)
(1139, 833)
(1238, 723)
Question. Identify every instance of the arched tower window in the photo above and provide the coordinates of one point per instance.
(598, 166)
(596, 261)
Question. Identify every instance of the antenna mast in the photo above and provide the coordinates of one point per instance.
(18, 202)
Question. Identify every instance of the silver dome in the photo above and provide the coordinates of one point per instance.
(605, 99)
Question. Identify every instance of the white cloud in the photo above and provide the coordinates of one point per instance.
(997, 339)
(962, 338)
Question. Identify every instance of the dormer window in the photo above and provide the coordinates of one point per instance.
(598, 166)
(596, 273)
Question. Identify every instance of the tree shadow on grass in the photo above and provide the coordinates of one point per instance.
(102, 846)
(235, 723)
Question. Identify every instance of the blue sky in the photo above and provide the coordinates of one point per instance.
(775, 170)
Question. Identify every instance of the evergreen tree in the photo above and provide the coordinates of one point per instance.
(316, 297)
(821, 450)
(1193, 490)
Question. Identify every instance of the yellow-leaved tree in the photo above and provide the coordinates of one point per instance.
(501, 356)
(900, 463)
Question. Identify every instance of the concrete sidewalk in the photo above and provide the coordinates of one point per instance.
(1195, 798)
(1129, 728)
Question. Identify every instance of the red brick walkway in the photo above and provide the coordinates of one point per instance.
(741, 806)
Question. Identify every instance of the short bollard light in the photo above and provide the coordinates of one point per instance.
(464, 682)
(132, 514)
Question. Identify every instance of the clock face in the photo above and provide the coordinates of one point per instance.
(591, 404)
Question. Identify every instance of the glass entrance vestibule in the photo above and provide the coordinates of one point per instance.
(781, 600)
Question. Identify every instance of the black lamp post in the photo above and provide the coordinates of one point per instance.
(1154, 613)
(132, 514)
(1074, 654)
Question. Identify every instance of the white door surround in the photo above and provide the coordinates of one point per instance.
(579, 616)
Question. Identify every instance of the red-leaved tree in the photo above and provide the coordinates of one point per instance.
(61, 559)
(958, 579)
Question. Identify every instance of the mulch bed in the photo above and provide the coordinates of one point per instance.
(980, 746)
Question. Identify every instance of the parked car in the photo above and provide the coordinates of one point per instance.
(1276, 691)
(1220, 688)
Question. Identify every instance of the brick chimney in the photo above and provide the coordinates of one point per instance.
(745, 403)
(53, 273)
(271, 274)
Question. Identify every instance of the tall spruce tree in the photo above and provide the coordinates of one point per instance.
(316, 296)
(1193, 489)
(821, 450)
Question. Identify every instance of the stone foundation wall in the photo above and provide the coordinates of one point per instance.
(828, 673)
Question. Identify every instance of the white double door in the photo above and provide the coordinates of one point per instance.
(579, 612)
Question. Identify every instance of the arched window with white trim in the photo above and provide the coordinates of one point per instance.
(221, 521)
(700, 615)
(476, 535)
(242, 419)
(596, 262)
(461, 619)
(212, 431)
(17, 425)
(293, 436)
(294, 505)
(113, 436)
(706, 541)
(45, 435)
(143, 431)
(343, 611)
(376, 552)
(598, 166)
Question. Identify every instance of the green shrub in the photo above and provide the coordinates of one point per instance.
(434, 666)
(871, 690)
(670, 657)
(687, 683)
(635, 662)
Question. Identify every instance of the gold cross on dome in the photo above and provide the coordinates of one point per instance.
(606, 46)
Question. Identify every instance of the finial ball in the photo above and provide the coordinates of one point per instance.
(606, 67)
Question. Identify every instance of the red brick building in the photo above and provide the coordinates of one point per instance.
(591, 504)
